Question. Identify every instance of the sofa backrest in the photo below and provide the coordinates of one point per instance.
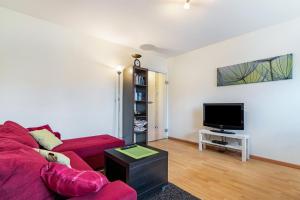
(20, 167)
(14, 131)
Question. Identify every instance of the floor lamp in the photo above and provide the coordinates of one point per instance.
(119, 72)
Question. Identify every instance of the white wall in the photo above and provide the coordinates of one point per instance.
(272, 109)
(50, 74)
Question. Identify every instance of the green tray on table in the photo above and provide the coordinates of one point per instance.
(137, 152)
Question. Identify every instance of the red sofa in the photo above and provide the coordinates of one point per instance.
(91, 149)
(20, 166)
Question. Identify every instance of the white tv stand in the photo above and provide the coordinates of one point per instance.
(243, 146)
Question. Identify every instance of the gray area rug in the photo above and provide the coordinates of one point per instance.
(171, 192)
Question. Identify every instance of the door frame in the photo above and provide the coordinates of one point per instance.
(166, 133)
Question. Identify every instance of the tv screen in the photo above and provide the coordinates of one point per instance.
(224, 115)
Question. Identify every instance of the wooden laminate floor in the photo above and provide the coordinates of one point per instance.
(213, 175)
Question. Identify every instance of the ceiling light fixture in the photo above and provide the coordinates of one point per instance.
(187, 5)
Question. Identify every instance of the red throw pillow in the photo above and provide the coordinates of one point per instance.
(40, 128)
(47, 127)
(57, 134)
(70, 182)
(16, 132)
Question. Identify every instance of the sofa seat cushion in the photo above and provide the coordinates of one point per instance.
(91, 149)
(116, 190)
(14, 131)
(20, 174)
(76, 161)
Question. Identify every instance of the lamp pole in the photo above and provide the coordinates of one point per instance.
(119, 102)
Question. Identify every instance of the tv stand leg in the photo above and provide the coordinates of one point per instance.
(200, 142)
(248, 150)
(244, 150)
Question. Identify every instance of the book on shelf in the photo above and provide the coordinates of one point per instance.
(138, 96)
(139, 79)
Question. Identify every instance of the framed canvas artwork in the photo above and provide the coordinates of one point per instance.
(269, 69)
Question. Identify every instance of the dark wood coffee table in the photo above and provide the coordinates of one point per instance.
(145, 175)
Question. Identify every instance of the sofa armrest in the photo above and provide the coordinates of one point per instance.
(116, 190)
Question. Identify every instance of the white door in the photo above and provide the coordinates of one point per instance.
(157, 107)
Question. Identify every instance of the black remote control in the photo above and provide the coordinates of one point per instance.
(129, 146)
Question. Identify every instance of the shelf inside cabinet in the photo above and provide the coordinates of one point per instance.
(141, 69)
(140, 132)
(141, 101)
(141, 116)
(139, 85)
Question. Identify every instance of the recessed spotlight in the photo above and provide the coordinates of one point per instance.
(187, 5)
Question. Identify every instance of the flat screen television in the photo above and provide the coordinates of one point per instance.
(224, 116)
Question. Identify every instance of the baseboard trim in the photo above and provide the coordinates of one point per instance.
(182, 140)
(277, 162)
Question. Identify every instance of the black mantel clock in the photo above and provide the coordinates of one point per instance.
(137, 62)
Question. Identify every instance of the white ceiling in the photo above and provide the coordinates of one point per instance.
(161, 25)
